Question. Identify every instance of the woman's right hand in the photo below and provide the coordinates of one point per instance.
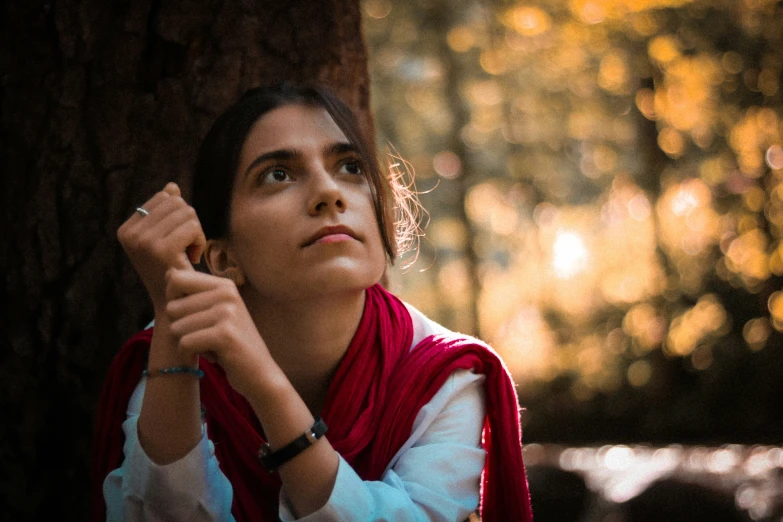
(170, 236)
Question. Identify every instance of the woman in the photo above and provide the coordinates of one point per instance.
(295, 224)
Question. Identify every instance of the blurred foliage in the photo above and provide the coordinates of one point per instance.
(604, 187)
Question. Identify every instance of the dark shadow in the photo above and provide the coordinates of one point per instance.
(675, 500)
(557, 495)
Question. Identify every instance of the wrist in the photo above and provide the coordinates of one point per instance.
(160, 316)
(163, 348)
(273, 459)
(268, 389)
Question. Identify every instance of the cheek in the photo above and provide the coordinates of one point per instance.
(378, 249)
(378, 231)
(252, 235)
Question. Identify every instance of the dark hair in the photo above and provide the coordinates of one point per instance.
(218, 156)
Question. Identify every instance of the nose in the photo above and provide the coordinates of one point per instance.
(326, 194)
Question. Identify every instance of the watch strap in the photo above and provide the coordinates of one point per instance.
(274, 459)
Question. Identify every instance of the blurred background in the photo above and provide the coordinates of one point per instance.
(603, 185)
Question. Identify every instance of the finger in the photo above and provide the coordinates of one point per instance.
(167, 192)
(180, 283)
(181, 262)
(196, 249)
(172, 189)
(151, 204)
(165, 206)
(161, 237)
(200, 342)
(178, 212)
(190, 304)
(163, 223)
(148, 205)
(156, 200)
(201, 320)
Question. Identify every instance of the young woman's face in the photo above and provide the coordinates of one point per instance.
(302, 220)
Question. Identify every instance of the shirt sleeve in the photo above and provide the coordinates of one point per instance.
(193, 488)
(434, 477)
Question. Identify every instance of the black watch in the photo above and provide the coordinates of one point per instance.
(274, 459)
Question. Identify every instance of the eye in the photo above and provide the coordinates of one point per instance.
(352, 166)
(274, 175)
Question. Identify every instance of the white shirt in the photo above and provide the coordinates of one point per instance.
(434, 476)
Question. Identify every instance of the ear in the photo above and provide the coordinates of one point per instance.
(221, 261)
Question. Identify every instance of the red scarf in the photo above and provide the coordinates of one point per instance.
(393, 381)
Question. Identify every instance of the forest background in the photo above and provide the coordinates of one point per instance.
(603, 181)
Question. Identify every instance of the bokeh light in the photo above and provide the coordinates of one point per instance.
(605, 186)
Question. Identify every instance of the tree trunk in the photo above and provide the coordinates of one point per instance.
(103, 102)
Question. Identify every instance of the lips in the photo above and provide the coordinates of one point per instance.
(330, 231)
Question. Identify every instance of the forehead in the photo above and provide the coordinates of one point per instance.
(300, 127)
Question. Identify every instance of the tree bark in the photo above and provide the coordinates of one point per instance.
(103, 102)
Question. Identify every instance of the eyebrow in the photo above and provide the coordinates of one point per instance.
(336, 149)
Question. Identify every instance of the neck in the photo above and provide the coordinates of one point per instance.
(308, 338)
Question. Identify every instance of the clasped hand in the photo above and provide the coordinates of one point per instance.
(205, 314)
(209, 318)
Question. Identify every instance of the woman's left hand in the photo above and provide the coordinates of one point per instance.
(209, 318)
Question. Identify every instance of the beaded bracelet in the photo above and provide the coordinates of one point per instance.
(198, 372)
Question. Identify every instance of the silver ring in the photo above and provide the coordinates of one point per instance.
(143, 211)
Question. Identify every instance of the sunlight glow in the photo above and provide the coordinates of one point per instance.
(708, 318)
(774, 157)
(529, 20)
(378, 8)
(569, 254)
(572, 235)
(620, 472)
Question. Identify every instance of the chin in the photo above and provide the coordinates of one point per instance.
(346, 280)
(334, 279)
